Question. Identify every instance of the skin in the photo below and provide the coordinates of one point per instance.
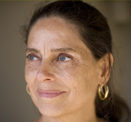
(78, 74)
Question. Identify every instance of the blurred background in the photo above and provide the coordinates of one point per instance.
(15, 104)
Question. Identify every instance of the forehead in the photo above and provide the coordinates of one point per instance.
(55, 31)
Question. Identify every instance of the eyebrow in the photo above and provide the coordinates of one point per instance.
(31, 49)
(52, 50)
(63, 49)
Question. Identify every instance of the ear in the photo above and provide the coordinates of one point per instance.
(104, 68)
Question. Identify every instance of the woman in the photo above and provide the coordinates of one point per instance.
(68, 64)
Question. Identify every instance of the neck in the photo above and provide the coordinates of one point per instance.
(81, 115)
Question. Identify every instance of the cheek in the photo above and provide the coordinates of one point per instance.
(30, 72)
(67, 72)
(88, 77)
(80, 78)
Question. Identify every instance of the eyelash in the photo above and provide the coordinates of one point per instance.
(29, 57)
(57, 59)
(64, 55)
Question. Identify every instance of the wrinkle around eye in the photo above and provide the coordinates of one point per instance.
(30, 57)
(61, 55)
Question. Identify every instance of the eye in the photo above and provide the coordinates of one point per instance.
(64, 57)
(32, 57)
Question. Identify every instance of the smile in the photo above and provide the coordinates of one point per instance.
(49, 93)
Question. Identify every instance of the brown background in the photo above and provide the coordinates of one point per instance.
(15, 104)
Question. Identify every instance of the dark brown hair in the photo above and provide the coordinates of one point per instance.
(95, 32)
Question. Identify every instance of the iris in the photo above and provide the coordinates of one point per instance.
(64, 58)
(31, 57)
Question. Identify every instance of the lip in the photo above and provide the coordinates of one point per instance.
(50, 93)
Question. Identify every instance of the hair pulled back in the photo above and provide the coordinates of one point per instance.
(95, 32)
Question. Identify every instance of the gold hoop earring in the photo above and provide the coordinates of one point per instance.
(103, 92)
(27, 89)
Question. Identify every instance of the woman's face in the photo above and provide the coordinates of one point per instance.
(60, 70)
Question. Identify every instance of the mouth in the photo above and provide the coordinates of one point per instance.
(50, 93)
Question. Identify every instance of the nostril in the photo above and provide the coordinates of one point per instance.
(51, 78)
(48, 79)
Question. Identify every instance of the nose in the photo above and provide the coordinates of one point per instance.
(45, 74)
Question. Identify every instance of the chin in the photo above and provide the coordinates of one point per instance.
(52, 111)
(52, 107)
